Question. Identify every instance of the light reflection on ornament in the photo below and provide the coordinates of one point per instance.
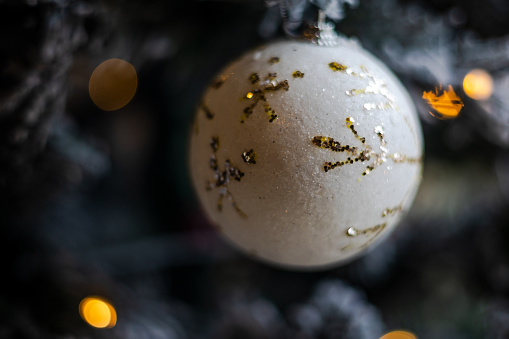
(478, 84)
(113, 84)
(97, 312)
(446, 104)
(399, 335)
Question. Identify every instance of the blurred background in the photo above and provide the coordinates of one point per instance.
(97, 203)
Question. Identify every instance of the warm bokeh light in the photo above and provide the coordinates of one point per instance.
(113, 84)
(249, 95)
(399, 335)
(478, 84)
(97, 312)
(445, 102)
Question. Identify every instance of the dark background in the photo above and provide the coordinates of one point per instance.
(100, 203)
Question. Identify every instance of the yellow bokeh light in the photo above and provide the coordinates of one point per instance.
(478, 84)
(249, 95)
(97, 312)
(399, 335)
(113, 84)
(447, 104)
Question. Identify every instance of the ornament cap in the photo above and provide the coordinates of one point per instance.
(322, 33)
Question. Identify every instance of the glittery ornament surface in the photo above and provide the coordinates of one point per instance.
(306, 155)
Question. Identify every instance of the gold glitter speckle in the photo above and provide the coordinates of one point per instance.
(274, 60)
(298, 74)
(254, 78)
(337, 67)
(353, 92)
(249, 157)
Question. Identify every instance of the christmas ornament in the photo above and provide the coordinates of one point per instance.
(306, 155)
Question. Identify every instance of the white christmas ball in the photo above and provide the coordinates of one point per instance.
(305, 155)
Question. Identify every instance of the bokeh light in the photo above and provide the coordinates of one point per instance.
(478, 84)
(113, 84)
(399, 335)
(97, 312)
(445, 103)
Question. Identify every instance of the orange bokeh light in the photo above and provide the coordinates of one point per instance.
(478, 84)
(113, 84)
(399, 335)
(446, 103)
(98, 312)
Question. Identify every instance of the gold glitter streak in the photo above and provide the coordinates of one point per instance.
(380, 157)
(364, 153)
(372, 232)
(446, 104)
(478, 84)
(270, 84)
(329, 143)
(398, 158)
(389, 211)
(269, 112)
(222, 179)
(350, 124)
(353, 232)
(207, 111)
(216, 84)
